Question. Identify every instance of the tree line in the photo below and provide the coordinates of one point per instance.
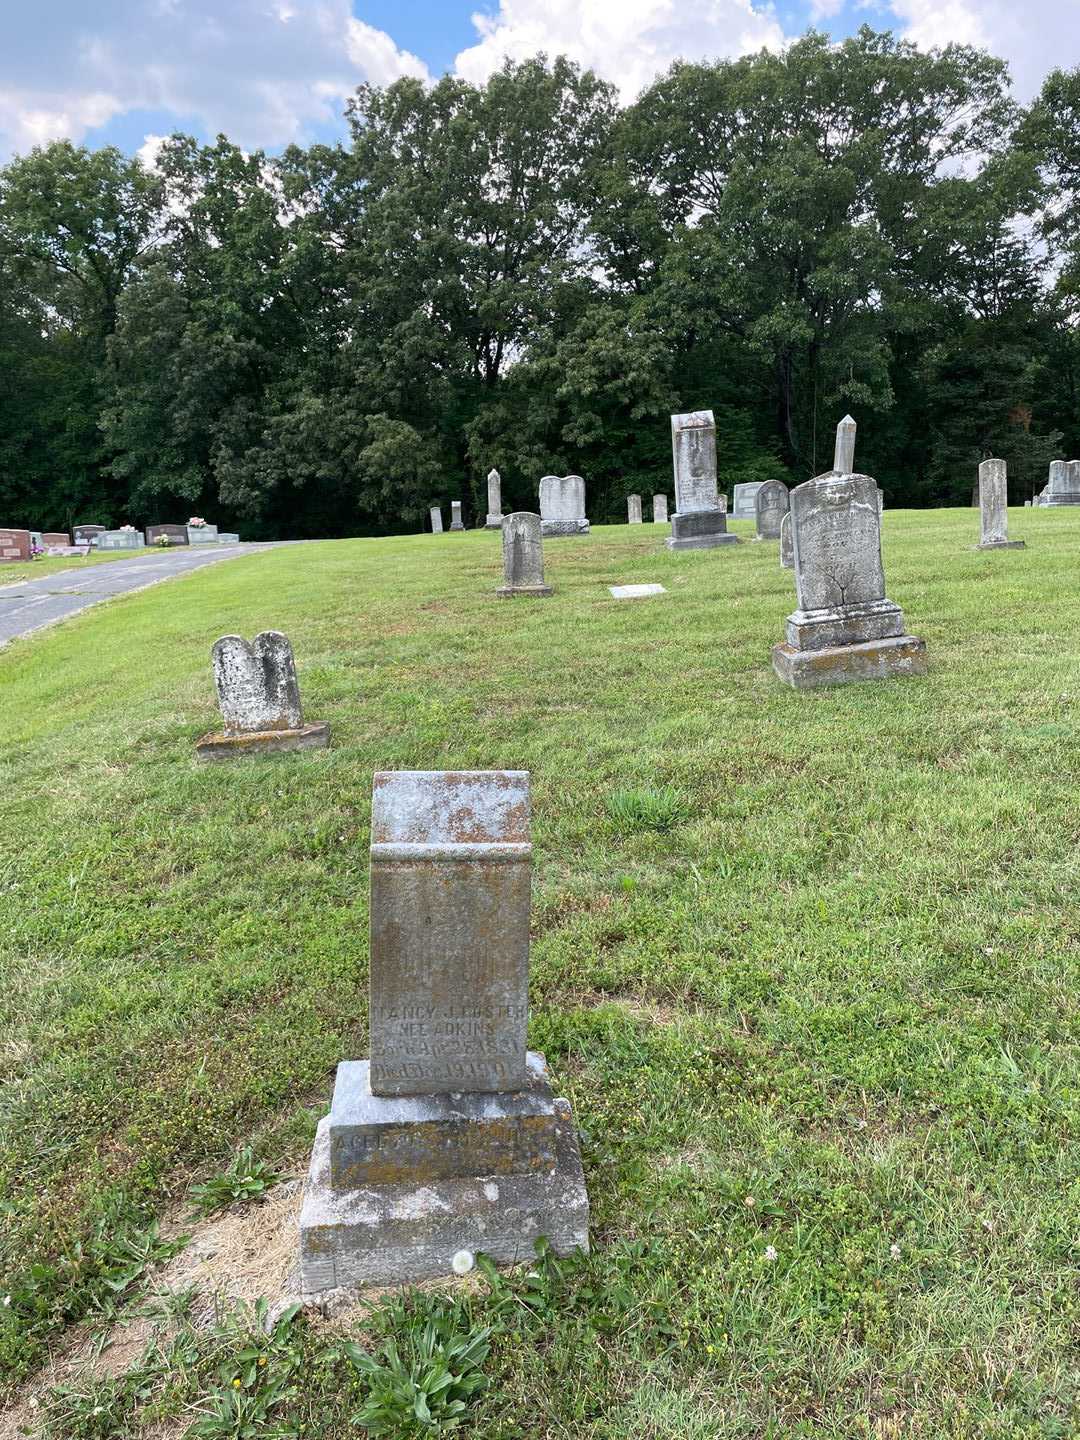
(528, 276)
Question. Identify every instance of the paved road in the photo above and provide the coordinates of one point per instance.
(31, 604)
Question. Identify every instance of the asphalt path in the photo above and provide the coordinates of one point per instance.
(32, 604)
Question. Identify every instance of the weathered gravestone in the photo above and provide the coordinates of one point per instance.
(1064, 483)
(260, 700)
(456, 522)
(449, 1140)
(121, 540)
(37, 540)
(771, 504)
(523, 556)
(844, 628)
(14, 545)
(699, 521)
(994, 508)
(202, 534)
(55, 537)
(175, 534)
(633, 509)
(787, 549)
(659, 509)
(87, 534)
(562, 505)
(844, 448)
(745, 500)
(494, 509)
(436, 519)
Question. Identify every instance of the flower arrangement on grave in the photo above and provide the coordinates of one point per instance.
(163, 542)
(196, 523)
(130, 528)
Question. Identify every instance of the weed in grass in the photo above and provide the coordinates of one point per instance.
(245, 1179)
(256, 1382)
(657, 809)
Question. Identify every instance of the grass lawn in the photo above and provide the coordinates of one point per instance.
(820, 1036)
(14, 572)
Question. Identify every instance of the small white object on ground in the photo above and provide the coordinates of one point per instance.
(462, 1262)
(635, 592)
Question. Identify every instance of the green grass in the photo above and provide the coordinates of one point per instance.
(14, 572)
(831, 1009)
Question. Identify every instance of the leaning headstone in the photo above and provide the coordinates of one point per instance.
(844, 628)
(1064, 483)
(259, 698)
(202, 534)
(523, 556)
(844, 449)
(14, 545)
(52, 538)
(127, 539)
(771, 504)
(994, 507)
(448, 1140)
(699, 521)
(745, 498)
(87, 534)
(455, 515)
(659, 509)
(494, 509)
(175, 534)
(562, 505)
(436, 519)
(633, 509)
(787, 549)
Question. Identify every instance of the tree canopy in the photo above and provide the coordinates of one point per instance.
(526, 275)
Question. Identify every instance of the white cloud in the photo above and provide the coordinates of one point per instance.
(626, 41)
(263, 71)
(1034, 37)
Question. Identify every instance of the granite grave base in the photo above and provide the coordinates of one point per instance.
(1000, 545)
(563, 527)
(700, 530)
(403, 1231)
(897, 655)
(507, 592)
(262, 742)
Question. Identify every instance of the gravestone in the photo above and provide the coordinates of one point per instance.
(771, 504)
(635, 592)
(745, 500)
(523, 556)
(228, 537)
(14, 545)
(202, 534)
(87, 534)
(448, 1140)
(787, 549)
(994, 508)
(55, 537)
(1064, 483)
(455, 515)
(175, 534)
(121, 540)
(259, 698)
(659, 509)
(37, 540)
(633, 509)
(562, 505)
(494, 509)
(699, 521)
(844, 448)
(844, 628)
(436, 519)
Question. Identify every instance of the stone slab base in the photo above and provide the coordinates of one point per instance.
(507, 592)
(1062, 499)
(844, 664)
(396, 1234)
(564, 527)
(493, 522)
(701, 542)
(1001, 545)
(263, 742)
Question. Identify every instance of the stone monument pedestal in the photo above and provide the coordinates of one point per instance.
(842, 664)
(699, 530)
(1000, 545)
(507, 592)
(400, 1185)
(220, 746)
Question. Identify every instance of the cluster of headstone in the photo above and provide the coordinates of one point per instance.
(22, 544)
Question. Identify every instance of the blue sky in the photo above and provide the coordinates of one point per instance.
(267, 72)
